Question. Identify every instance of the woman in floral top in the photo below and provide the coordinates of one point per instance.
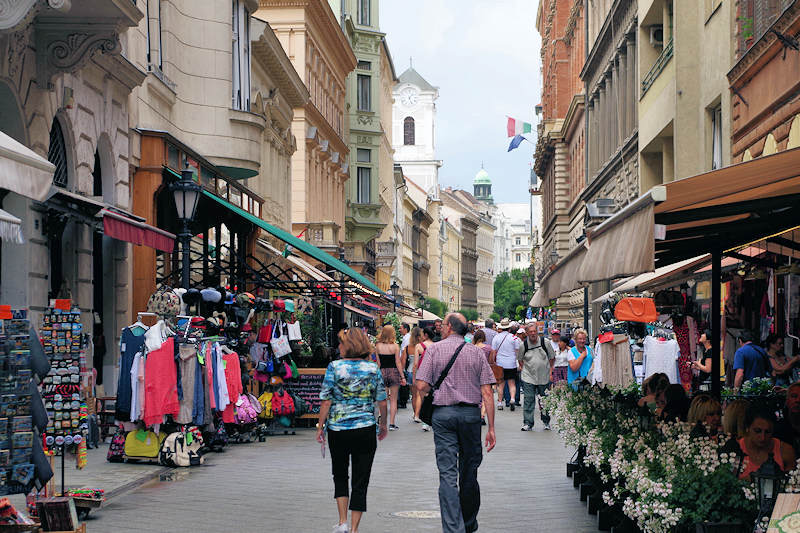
(349, 392)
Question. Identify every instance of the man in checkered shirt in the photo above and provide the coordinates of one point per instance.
(457, 422)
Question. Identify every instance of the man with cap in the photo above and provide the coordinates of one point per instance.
(750, 360)
(555, 336)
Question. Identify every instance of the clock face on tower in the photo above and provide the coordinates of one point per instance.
(408, 96)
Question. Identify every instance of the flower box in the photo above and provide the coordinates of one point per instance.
(721, 527)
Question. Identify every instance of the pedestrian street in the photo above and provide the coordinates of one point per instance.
(284, 486)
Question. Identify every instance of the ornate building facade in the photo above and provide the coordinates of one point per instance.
(320, 52)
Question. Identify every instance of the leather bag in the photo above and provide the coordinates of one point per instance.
(426, 410)
(636, 310)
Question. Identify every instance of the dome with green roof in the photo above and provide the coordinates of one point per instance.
(482, 186)
(482, 178)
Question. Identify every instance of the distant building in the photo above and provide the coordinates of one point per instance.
(513, 236)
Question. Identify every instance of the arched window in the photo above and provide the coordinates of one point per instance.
(408, 131)
(57, 154)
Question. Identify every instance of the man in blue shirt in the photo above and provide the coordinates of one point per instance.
(750, 360)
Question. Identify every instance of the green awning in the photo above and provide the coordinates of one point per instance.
(300, 244)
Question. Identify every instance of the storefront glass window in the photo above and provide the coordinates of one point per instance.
(173, 157)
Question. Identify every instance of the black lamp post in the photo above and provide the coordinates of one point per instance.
(393, 290)
(422, 306)
(187, 193)
(770, 480)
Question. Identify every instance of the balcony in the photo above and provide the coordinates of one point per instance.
(386, 254)
(661, 62)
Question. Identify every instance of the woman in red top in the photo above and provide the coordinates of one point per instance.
(419, 355)
(758, 443)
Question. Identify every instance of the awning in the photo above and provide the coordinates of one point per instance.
(127, 228)
(352, 309)
(360, 281)
(562, 278)
(303, 265)
(10, 228)
(662, 275)
(23, 171)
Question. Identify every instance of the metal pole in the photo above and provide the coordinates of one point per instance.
(586, 309)
(341, 292)
(185, 236)
(716, 296)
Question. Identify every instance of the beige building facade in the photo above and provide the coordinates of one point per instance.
(316, 45)
(450, 241)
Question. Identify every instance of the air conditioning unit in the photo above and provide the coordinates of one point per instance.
(657, 35)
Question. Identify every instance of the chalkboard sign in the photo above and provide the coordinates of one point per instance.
(307, 386)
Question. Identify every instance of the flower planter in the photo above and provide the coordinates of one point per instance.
(572, 467)
(594, 502)
(579, 477)
(586, 489)
(720, 527)
(607, 517)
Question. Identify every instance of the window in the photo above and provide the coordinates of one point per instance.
(97, 176)
(518, 241)
(363, 90)
(364, 65)
(519, 258)
(363, 195)
(716, 138)
(155, 56)
(363, 155)
(57, 154)
(363, 12)
(408, 131)
(241, 56)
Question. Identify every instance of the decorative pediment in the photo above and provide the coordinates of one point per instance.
(67, 47)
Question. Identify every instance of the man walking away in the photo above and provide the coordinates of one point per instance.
(537, 359)
(457, 421)
(750, 360)
(489, 331)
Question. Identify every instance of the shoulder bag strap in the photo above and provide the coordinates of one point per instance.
(448, 367)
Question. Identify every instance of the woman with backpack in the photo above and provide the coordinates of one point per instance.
(419, 354)
(349, 391)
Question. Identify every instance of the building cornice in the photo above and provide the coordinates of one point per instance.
(267, 50)
(620, 21)
(767, 47)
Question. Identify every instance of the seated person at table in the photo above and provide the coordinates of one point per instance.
(676, 406)
(705, 414)
(733, 418)
(788, 429)
(758, 443)
(651, 387)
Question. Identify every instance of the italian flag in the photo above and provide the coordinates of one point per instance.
(517, 127)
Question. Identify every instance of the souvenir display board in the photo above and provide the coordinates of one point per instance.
(16, 424)
(308, 386)
(61, 335)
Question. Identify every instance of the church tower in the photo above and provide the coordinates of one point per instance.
(414, 129)
(482, 187)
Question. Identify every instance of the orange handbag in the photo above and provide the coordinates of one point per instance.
(636, 310)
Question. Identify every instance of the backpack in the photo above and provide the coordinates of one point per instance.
(143, 445)
(282, 404)
(255, 403)
(219, 439)
(245, 412)
(301, 407)
(116, 450)
(176, 452)
(266, 403)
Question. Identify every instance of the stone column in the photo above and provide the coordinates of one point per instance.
(633, 86)
(622, 82)
(590, 136)
(612, 77)
(603, 126)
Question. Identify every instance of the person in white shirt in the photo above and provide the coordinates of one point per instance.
(562, 360)
(555, 336)
(405, 331)
(504, 354)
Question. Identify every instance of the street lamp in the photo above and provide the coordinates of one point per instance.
(422, 306)
(770, 480)
(553, 256)
(186, 192)
(393, 290)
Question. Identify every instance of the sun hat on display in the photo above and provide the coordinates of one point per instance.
(210, 295)
(192, 297)
(245, 299)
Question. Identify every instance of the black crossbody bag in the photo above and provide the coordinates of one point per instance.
(426, 410)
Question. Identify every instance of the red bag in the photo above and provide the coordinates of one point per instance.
(636, 310)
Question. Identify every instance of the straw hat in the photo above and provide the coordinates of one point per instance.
(504, 324)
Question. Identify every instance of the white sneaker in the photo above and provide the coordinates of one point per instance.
(526, 427)
(547, 427)
(499, 406)
(341, 528)
(416, 419)
(425, 427)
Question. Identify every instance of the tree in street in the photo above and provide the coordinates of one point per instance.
(509, 295)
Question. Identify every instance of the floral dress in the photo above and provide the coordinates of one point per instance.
(353, 386)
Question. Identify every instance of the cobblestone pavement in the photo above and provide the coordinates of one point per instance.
(284, 485)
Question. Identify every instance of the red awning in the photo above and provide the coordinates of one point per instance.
(118, 226)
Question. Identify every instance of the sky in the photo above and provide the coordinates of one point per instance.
(484, 57)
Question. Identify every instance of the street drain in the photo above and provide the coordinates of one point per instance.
(173, 475)
(420, 515)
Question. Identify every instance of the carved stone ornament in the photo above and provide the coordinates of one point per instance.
(364, 119)
(68, 47)
(16, 12)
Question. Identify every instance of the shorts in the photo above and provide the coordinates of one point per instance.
(391, 377)
(509, 373)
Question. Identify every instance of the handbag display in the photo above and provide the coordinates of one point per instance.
(636, 310)
(279, 342)
(426, 410)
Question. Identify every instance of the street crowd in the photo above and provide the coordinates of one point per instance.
(470, 372)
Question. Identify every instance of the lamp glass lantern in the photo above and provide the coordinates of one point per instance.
(394, 289)
(186, 192)
(553, 256)
(770, 481)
